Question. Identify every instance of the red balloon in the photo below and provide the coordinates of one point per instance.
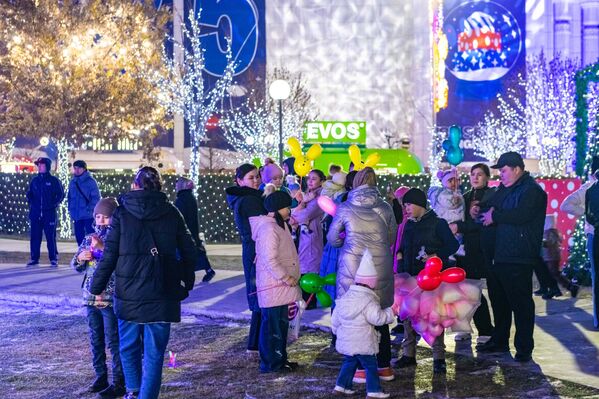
(453, 275)
(434, 264)
(428, 281)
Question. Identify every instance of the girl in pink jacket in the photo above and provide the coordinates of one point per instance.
(277, 275)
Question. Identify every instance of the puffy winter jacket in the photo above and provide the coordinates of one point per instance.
(448, 204)
(311, 242)
(81, 207)
(44, 195)
(89, 267)
(353, 321)
(368, 222)
(245, 203)
(276, 259)
(430, 233)
(519, 213)
(140, 293)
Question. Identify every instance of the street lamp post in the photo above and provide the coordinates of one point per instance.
(280, 90)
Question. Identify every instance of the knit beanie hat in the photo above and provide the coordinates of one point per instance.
(366, 273)
(269, 171)
(277, 200)
(415, 196)
(106, 206)
(445, 175)
(339, 178)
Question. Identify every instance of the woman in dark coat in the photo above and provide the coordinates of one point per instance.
(188, 206)
(246, 201)
(150, 282)
(477, 259)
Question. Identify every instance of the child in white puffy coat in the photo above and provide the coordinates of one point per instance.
(447, 201)
(353, 321)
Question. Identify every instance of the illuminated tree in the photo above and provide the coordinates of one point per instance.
(183, 89)
(253, 128)
(72, 69)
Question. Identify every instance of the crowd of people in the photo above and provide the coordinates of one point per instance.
(139, 254)
(501, 234)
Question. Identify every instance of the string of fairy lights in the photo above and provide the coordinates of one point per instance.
(182, 89)
(216, 219)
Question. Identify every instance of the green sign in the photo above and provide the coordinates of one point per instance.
(335, 132)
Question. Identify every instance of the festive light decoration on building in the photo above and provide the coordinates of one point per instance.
(439, 48)
(71, 68)
(586, 126)
(436, 153)
(182, 88)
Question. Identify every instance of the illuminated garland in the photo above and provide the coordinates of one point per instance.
(578, 267)
(586, 138)
(182, 88)
(64, 218)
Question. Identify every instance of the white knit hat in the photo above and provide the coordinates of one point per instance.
(366, 273)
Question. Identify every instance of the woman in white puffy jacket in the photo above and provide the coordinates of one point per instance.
(354, 318)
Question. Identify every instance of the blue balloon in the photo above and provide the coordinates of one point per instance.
(447, 145)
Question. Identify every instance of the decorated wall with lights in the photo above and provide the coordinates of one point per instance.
(216, 220)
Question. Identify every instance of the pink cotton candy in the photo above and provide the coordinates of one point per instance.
(435, 329)
(450, 310)
(470, 291)
(427, 302)
(450, 293)
(447, 323)
(461, 325)
(463, 309)
(428, 337)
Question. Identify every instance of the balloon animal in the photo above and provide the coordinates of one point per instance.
(303, 163)
(356, 157)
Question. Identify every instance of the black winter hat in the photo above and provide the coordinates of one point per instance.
(511, 159)
(277, 200)
(415, 196)
(47, 161)
(80, 164)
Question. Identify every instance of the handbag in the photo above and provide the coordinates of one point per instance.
(171, 271)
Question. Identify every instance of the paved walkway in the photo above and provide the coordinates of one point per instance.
(566, 345)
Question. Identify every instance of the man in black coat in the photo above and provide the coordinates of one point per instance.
(150, 283)
(44, 196)
(518, 210)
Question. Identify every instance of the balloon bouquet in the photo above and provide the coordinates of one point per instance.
(435, 299)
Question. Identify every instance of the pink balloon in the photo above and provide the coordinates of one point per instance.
(453, 275)
(327, 205)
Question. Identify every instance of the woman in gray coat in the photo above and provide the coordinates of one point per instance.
(365, 220)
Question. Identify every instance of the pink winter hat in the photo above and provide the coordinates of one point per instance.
(400, 191)
(366, 273)
(446, 174)
(269, 171)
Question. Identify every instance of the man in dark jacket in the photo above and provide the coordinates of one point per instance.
(187, 204)
(425, 235)
(83, 196)
(141, 250)
(518, 210)
(44, 196)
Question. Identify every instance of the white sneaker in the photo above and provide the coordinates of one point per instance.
(481, 339)
(377, 395)
(462, 337)
(343, 390)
